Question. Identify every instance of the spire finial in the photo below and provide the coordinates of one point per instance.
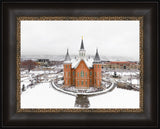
(82, 37)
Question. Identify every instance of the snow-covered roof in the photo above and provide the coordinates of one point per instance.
(88, 62)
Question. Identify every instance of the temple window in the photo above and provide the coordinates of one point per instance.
(90, 72)
(82, 74)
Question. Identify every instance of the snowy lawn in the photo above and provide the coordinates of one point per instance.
(118, 98)
(44, 96)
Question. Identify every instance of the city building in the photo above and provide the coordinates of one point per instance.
(43, 62)
(82, 72)
(128, 65)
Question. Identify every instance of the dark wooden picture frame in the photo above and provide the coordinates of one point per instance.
(146, 118)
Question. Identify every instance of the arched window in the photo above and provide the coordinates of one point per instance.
(90, 73)
(78, 74)
(86, 74)
(82, 74)
(73, 73)
(82, 82)
(86, 82)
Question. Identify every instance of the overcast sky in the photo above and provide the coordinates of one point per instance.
(112, 38)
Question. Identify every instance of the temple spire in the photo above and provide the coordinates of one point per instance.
(67, 58)
(82, 45)
(82, 52)
(97, 57)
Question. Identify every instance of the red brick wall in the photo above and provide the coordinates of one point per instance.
(91, 77)
(83, 81)
(71, 75)
(67, 74)
(97, 74)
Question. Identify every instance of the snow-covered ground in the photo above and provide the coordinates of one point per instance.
(118, 98)
(44, 96)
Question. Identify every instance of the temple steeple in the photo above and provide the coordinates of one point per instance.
(97, 57)
(82, 45)
(67, 58)
(82, 51)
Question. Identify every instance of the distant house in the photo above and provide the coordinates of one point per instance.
(43, 62)
(82, 72)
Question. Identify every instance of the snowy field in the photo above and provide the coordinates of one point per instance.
(118, 98)
(44, 96)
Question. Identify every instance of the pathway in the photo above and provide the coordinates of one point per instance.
(109, 89)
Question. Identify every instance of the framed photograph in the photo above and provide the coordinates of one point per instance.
(77, 63)
(89, 81)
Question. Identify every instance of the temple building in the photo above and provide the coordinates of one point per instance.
(82, 72)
